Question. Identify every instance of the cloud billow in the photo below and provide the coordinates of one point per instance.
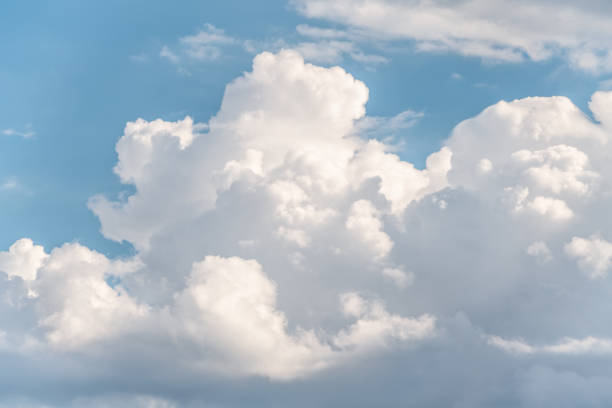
(277, 247)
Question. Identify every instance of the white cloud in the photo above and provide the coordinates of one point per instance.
(76, 304)
(540, 251)
(398, 276)
(558, 168)
(321, 45)
(510, 346)
(205, 45)
(10, 183)
(12, 132)
(320, 50)
(23, 259)
(169, 54)
(224, 302)
(594, 255)
(285, 140)
(318, 32)
(541, 159)
(400, 182)
(248, 229)
(295, 236)
(230, 299)
(587, 345)
(485, 165)
(255, 133)
(492, 30)
(325, 52)
(551, 207)
(375, 327)
(599, 105)
(379, 127)
(580, 346)
(364, 221)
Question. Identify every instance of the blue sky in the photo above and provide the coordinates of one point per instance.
(305, 203)
(70, 75)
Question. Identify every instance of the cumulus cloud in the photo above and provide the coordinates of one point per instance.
(594, 254)
(271, 244)
(497, 31)
(540, 251)
(363, 220)
(287, 142)
(398, 276)
(375, 326)
(76, 304)
(23, 259)
(225, 301)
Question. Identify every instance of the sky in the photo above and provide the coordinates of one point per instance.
(345, 203)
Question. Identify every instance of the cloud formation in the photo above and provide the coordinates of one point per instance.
(277, 247)
(492, 30)
(26, 134)
(205, 45)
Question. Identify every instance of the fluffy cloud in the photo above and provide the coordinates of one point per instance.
(271, 245)
(540, 250)
(375, 325)
(398, 276)
(363, 220)
(492, 30)
(283, 151)
(23, 259)
(224, 302)
(230, 299)
(76, 304)
(594, 254)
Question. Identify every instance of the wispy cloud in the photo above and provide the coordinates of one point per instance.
(320, 45)
(25, 134)
(168, 54)
(493, 30)
(316, 44)
(142, 57)
(205, 45)
(318, 32)
(606, 84)
(10, 183)
(386, 128)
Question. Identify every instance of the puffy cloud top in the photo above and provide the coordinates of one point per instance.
(277, 241)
